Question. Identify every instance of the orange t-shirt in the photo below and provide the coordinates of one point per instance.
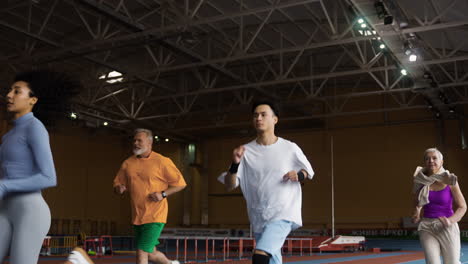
(143, 176)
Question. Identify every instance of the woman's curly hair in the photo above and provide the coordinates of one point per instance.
(54, 91)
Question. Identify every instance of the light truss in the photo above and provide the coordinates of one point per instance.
(231, 60)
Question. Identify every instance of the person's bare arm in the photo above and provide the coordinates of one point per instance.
(460, 204)
(120, 180)
(416, 217)
(230, 181)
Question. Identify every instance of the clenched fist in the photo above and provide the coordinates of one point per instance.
(291, 176)
(237, 154)
(155, 197)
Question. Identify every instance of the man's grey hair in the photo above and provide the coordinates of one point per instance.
(433, 150)
(148, 133)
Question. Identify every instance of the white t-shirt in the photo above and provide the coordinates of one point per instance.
(260, 175)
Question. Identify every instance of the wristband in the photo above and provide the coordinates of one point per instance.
(300, 176)
(234, 167)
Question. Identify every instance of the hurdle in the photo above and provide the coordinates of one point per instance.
(59, 245)
(100, 245)
(211, 249)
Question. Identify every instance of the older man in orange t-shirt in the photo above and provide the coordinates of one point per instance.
(150, 178)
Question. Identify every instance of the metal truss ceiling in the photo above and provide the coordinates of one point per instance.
(191, 68)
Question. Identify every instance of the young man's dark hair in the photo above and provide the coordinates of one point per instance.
(278, 212)
(272, 105)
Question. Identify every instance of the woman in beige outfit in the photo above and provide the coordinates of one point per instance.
(436, 191)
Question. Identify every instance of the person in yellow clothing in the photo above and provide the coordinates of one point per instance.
(150, 178)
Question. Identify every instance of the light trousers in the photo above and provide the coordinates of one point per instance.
(24, 222)
(439, 241)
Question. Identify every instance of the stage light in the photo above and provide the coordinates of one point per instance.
(112, 77)
(427, 75)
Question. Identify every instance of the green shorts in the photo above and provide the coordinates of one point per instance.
(147, 235)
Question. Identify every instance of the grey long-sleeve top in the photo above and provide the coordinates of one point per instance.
(26, 163)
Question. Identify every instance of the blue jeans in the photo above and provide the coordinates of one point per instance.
(272, 238)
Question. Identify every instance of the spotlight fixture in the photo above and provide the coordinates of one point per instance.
(380, 9)
(73, 116)
(367, 32)
(410, 51)
(388, 20)
(167, 140)
(382, 46)
(443, 98)
(451, 110)
(105, 123)
(156, 137)
(360, 21)
(413, 57)
(429, 104)
(112, 77)
(382, 13)
(404, 72)
(189, 38)
(363, 25)
(427, 75)
(407, 47)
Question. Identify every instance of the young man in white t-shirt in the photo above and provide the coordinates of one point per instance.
(269, 170)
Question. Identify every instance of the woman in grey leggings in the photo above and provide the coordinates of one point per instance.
(26, 164)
